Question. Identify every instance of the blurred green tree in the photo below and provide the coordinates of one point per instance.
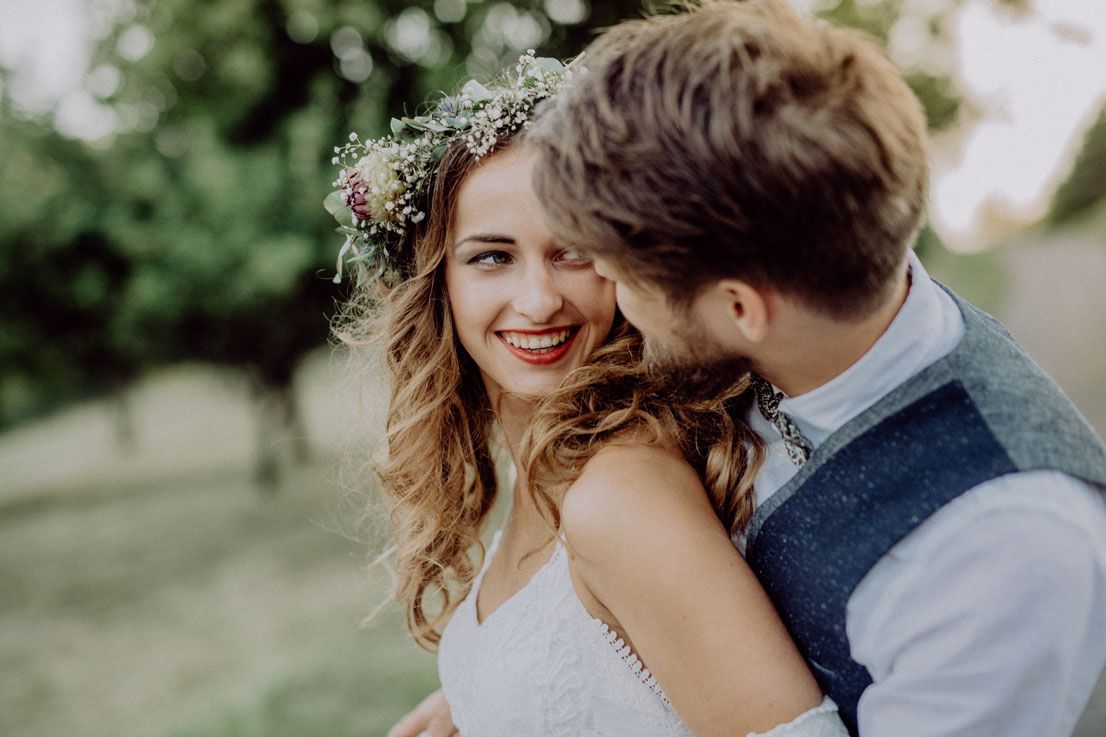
(198, 234)
(216, 174)
(1085, 188)
(61, 278)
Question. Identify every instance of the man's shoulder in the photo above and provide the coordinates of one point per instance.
(1019, 503)
(1012, 543)
(1043, 524)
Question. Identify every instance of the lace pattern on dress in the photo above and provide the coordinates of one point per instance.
(541, 665)
(626, 654)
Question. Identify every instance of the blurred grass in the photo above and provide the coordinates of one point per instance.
(156, 594)
(192, 605)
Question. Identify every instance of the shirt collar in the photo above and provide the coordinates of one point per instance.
(926, 328)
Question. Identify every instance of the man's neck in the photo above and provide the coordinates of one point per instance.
(818, 349)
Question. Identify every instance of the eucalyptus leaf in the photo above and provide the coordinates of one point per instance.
(425, 124)
(476, 91)
(336, 205)
(436, 127)
(549, 64)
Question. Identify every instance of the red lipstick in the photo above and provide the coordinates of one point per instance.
(547, 356)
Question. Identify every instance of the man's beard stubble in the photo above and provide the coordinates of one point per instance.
(700, 370)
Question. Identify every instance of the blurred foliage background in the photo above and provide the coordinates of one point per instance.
(164, 300)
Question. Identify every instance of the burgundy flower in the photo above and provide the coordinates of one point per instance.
(353, 193)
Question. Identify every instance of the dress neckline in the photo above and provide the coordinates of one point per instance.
(610, 637)
(479, 584)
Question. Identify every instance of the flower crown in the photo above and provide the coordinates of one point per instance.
(382, 182)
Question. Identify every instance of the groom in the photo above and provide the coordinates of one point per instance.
(930, 520)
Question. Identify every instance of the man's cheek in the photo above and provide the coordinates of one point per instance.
(629, 310)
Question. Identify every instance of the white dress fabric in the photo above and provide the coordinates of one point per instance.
(541, 666)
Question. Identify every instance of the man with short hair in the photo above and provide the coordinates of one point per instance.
(930, 518)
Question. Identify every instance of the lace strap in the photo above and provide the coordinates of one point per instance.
(623, 650)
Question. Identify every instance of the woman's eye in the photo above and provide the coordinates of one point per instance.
(574, 256)
(491, 258)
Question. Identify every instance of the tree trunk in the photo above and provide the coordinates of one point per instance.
(269, 417)
(293, 424)
(122, 414)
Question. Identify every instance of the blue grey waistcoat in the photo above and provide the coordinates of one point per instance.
(983, 411)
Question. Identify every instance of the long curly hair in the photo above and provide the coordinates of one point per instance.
(613, 398)
(437, 472)
(437, 475)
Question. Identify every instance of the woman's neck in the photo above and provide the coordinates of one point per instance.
(514, 415)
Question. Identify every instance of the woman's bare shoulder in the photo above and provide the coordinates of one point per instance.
(629, 491)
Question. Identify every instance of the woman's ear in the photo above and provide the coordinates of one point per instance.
(746, 307)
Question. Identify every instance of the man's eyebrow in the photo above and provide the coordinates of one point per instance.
(485, 238)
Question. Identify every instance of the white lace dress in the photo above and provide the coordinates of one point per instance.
(541, 666)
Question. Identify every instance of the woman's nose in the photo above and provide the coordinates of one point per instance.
(538, 297)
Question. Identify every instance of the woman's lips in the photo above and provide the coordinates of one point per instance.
(540, 356)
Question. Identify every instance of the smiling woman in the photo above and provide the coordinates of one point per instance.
(494, 332)
(525, 309)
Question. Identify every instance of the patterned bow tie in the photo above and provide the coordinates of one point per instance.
(768, 400)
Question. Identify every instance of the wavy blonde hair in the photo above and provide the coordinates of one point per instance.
(438, 475)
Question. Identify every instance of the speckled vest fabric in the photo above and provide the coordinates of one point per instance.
(983, 411)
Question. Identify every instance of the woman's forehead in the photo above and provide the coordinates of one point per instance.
(498, 195)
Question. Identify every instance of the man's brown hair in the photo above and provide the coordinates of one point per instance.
(739, 140)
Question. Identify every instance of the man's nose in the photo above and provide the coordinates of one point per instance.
(538, 298)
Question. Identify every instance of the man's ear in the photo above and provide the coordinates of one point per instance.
(748, 308)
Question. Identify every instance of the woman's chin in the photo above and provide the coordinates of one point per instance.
(536, 381)
(535, 389)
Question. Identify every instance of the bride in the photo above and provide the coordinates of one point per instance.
(612, 601)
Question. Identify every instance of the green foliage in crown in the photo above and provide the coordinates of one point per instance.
(382, 182)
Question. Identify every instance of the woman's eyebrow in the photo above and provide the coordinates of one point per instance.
(485, 238)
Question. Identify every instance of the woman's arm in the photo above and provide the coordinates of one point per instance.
(645, 544)
(431, 718)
